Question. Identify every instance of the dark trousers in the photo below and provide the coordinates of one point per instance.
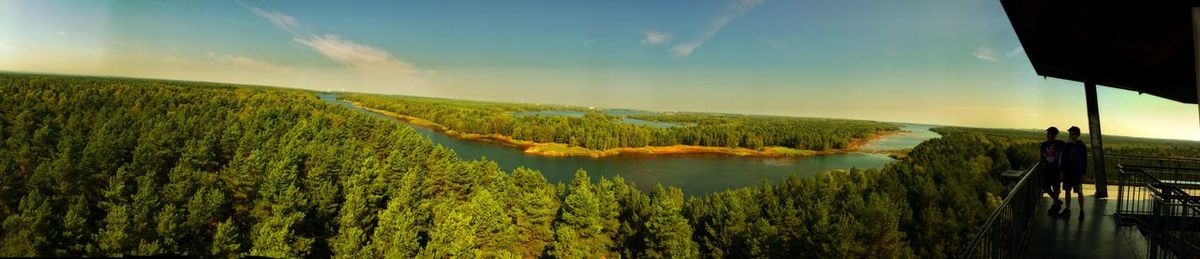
(1051, 181)
(1072, 181)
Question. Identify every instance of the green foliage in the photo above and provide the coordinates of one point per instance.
(452, 234)
(670, 236)
(396, 236)
(535, 207)
(227, 241)
(112, 167)
(25, 231)
(579, 232)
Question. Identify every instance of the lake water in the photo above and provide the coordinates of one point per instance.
(698, 174)
(914, 134)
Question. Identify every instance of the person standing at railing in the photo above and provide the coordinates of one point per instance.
(1074, 165)
(1052, 171)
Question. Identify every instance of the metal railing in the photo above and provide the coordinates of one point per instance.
(1113, 161)
(1140, 180)
(1005, 233)
(1162, 202)
(1175, 222)
(1136, 186)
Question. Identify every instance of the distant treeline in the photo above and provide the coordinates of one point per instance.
(1114, 148)
(101, 167)
(596, 130)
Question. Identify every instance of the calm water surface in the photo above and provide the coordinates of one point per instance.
(698, 174)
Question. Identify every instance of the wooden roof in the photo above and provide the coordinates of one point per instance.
(1141, 46)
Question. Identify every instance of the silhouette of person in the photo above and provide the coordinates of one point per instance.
(1052, 168)
(1074, 165)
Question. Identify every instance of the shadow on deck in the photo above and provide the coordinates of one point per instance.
(1097, 235)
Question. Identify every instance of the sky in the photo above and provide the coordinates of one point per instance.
(946, 62)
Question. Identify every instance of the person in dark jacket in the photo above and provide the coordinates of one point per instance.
(1052, 168)
(1074, 165)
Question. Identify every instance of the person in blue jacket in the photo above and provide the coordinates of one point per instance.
(1051, 160)
(1074, 165)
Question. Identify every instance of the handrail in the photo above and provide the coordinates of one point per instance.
(1175, 213)
(1174, 193)
(1011, 193)
(1018, 234)
(1177, 158)
(1169, 218)
(1136, 182)
(1143, 167)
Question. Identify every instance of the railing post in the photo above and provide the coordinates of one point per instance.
(1154, 224)
(1120, 190)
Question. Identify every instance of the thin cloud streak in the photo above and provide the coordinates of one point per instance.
(280, 20)
(735, 10)
(1015, 52)
(357, 56)
(363, 58)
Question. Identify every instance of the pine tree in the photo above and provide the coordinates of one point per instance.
(76, 230)
(356, 217)
(226, 241)
(204, 209)
(495, 233)
(114, 237)
(396, 236)
(146, 202)
(535, 206)
(579, 232)
(670, 234)
(170, 229)
(279, 214)
(25, 231)
(452, 234)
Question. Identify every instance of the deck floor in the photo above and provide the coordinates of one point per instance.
(1096, 236)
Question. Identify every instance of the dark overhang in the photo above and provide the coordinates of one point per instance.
(1142, 46)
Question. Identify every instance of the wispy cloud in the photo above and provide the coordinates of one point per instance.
(985, 53)
(1015, 52)
(355, 56)
(652, 37)
(734, 10)
(280, 20)
(685, 49)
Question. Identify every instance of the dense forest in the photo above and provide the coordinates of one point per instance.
(102, 167)
(597, 130)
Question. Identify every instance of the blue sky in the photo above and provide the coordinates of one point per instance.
(927, 61)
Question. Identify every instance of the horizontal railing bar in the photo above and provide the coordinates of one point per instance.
(1163, 158)
(1189, 170)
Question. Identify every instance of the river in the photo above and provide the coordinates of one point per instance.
(694, 174)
